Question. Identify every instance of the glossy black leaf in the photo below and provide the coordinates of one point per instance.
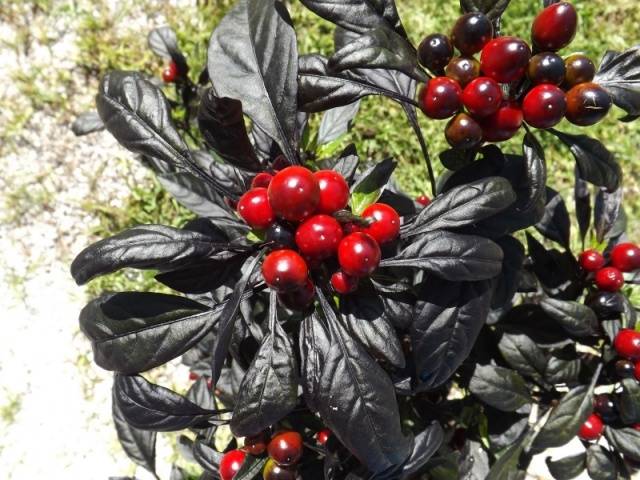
(563, 367)
(336, 122)
(447, 320)
(594, 162)
(207, 457)
(464, 205)
(251, 468)
(117, 323)
(200, 394)
(504, 428)
(378, 48)
(139, 445)
(177, 473)
(353, 395)
(364, 318)
(164, 43)
(566, 418)
(522, 354)
(221, 122)
(320, 89)
(568, 467)
(600, 464)
(358, 15)
(253, 57)
(347, 163)
(473, 463)
(137, 114)
(205, 276)
(619, 74)
(86, 123)
(577, 319)
(499, 387)
(536, 166)
(151, 407)
(625, 440)
(425, 444)
(506, 467)
(582, 200)
(451, 256)
(146, 247)
(606, 212)
(558, 272)
(269, 390)
(368, 187)
(228, 317)
(491, 8)
(508, 280)
(629, 401)
(199, 197)
(555, 223)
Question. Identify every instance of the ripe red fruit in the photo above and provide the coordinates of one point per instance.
(323, 436)
(555, 26)
(579, 69)
(462, 69)
(625, 257)
(386, 222)
(255, 445)
(334, 191)
(300, 298)
(358, 254)
(636, 371)
(591, 260)
(344, 284)
(544, 106)
(286, 448)
(471, 32)
(505, 59)
(319, 236)
(285, 270)
(482, 96)
(440, 97)
(546, 67)
(627, 344)
(591, 429)
(263, 179)
(231, 463)
(503, 124)
(193, 376)
(463, 132)
(294, 193)
(434, 52)
(609, 279)
(170, 74)
(273, 471)
(351, 227)
(255, 209)
(587, 104)
(423, 200)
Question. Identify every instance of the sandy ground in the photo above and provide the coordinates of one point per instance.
(54, 403)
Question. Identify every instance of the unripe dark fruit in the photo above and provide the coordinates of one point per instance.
(587, 104)
(578, 69)
(462, 70)
(555, 26)
(471, 32)
(463, 132)
(503, 124)
(624, 369)
(544, 106)
(280, 235)
(605, 407)
(482, 96)
(286, 448)
(256, 444)
(546, 67)
(441, 97)
(434, 52)
(505, 59)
